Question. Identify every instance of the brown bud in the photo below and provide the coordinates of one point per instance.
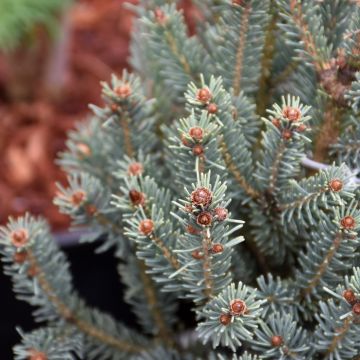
(276, 122)
(212, 108)
(201, 196)
(160, 16)
(123, 91)
(238, 307)
(37, 355)
(78, 197)
(220, 213)
(217, 249)
(19, 237)
(225, 319)
(90, 209)
(349, 296)
(204, 95)
(301, 128)
(191, 230)
(146, 226)
(341, 59)
(135, 169)
(292, 113)
(185, 141)
(20, 257)
(114, 107)
(198, 150)
(136, 197)
(196, 133)
(335, 185)
(356, 308)
(33, 271)
(348, 222)
(286, 134)
(197, 255)
(276, 340)
(204, 219)
(188, 208)
(83, 149)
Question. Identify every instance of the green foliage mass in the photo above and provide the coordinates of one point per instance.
(224, 176)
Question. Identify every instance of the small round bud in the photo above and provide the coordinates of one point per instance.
(336, 185)
(286, 134)
(160, 16)
(348, 222)
(204, 219)
(91, 209)
(19, 237)
(221, 213)
(83, 149)
(20, 257)
(349, 296)
(196, 133)
(37, 355)
(276, 340)
(201, 196)
(212, 108)
(197, 255)
(77, 198)
(204, 95)
(123, 91)
(238, 307)
(191, 230)
(146, 227)
(292, 113)
(136, 197)
(198, 150)
(301, 128)
(188, 208)
(114, 107)
(185, 141)
(225, 319)
(33, 271)
(135, 169)
(276, 122)
(356, 308)
(217, 249)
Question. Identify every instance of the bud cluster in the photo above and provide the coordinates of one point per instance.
(237, 307)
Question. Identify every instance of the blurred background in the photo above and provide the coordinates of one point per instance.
(53, 55)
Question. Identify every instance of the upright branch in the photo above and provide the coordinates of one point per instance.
(204, 250)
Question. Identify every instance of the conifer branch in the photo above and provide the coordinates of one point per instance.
(168, 255)
(240, 49)
(206, 245)
(306, 36)
(71, 317)
(129, 149)
(165, 333)
(264, 94)
(322, 267)
(275, 167)
(328, 132)
(178, 54)
(341, 333)
(231, 166)
(285, 73)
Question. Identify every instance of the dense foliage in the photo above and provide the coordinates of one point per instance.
(223, 175)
